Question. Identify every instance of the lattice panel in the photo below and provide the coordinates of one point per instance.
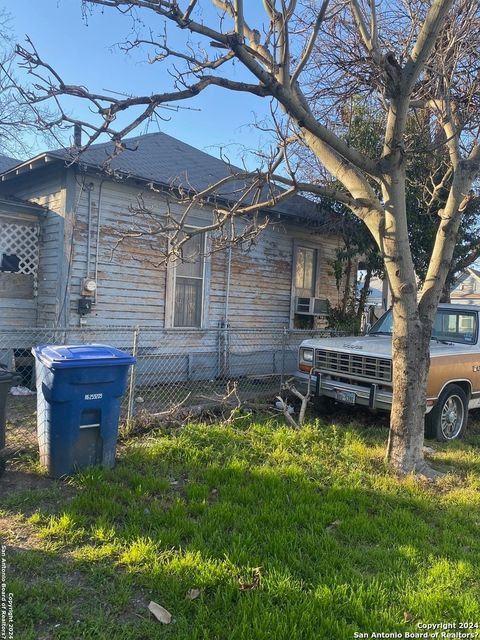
(21, 240)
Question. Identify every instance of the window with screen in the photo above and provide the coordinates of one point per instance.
(189, 276)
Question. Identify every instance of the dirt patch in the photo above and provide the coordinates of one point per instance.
(24, 493)
(18, 534)
(14, 481)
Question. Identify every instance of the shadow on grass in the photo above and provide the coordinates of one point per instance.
(342, 547)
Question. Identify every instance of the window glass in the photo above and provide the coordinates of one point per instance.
(188, 302)
(191, 263)
(455, 326)
(384, 325)
(305, 272)
(449, 326)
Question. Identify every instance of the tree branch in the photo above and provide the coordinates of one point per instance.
(425, 43)
(305, 57)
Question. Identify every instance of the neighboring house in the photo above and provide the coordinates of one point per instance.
(65, 260)
(375, 291)
(466, 289)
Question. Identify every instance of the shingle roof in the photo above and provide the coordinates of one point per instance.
(7, 163)
(162, 159)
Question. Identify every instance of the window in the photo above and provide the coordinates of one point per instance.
(449, 326)
(305, 268)
(189, 275)
(455, 326)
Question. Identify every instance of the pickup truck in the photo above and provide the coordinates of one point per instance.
(358, 370)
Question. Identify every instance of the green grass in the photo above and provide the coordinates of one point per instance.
(342, 546)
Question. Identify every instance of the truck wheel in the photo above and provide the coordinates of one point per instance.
(448, 418)
(324, 406)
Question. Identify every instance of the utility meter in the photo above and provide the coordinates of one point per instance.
(89, 286)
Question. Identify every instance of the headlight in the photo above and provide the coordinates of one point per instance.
(306, 355)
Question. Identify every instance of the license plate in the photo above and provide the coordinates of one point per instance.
(348, 397)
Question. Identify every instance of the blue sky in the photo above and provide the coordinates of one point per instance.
(83, 52)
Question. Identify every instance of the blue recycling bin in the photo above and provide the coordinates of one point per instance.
(79, 390)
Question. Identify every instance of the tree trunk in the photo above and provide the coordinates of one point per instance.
(445, 297)
(410, 340)
(411, 358)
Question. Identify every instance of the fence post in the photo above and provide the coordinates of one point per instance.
(227, 350)
(133, 374)
(284, 357)
(224, 351)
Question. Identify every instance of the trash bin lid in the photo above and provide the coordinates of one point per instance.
(81, 355)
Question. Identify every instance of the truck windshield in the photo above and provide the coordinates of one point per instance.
(450, 325)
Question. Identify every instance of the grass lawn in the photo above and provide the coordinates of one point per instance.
(287, 535)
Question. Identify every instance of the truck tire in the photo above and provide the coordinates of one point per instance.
(448, 418)
(324, 406)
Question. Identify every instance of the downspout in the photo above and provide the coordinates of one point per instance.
(97, 246)
(223, 334)
(229, 273)
(89, 227)
(227, 290)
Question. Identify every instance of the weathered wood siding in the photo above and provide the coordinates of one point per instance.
(46, 187)
(261, 294)
(132, 278)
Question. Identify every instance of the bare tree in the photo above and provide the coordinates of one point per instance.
(21, 123)
(411, 58)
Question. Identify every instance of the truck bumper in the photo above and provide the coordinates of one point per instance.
(367, 396)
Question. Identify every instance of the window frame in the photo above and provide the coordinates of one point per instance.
(314, 254)
(299, 243)
(171, 288)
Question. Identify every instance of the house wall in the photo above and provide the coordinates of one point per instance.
(130, 284)
(466, 290)
(133, 282)
(47, 187)
(261, 289)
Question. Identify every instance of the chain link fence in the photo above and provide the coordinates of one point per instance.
(177, 372)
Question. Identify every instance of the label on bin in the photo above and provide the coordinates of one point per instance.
(93, 396)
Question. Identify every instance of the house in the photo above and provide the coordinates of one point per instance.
(466, 289)
(77, 253)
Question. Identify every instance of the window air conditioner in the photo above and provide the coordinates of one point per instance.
(311, 306)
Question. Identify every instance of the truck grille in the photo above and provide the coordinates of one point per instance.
(352, 364)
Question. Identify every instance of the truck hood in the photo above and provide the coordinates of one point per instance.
(365, 345)
(379, 346)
